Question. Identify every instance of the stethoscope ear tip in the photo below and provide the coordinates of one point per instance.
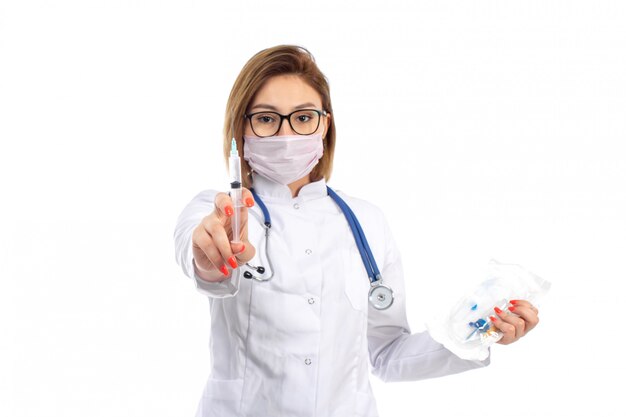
(258, 269)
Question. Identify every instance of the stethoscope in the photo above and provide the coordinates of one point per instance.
(380, 296)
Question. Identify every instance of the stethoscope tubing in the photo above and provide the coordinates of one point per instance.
(365, 251)
(359, 236)
(381, 296)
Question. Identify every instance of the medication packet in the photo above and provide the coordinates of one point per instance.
(467, 330)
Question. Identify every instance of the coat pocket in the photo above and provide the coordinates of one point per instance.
(221, 397)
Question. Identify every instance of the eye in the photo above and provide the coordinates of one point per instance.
(264, 118)
(304, 117)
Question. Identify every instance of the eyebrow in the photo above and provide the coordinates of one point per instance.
(267, 106)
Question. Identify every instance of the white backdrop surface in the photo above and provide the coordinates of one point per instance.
(483, 129)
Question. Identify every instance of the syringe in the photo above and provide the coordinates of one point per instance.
(234, 164)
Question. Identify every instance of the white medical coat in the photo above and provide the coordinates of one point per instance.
(301, 344)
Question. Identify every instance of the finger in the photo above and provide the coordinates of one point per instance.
(204, 242)
(223, 206)
(523, 303)
(221, 243)
(514, 320)
(247, 198)
(507, 330)
(529, 316)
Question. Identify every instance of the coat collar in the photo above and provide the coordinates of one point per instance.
(268, 189)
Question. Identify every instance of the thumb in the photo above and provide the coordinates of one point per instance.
(237, 247)
(243, 251)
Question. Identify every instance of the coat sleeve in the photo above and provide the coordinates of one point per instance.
(395, 353)
(191, 216)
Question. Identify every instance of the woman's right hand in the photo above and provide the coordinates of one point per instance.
(213, 250)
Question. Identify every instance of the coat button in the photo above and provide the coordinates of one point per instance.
(308, 251)
(296, 206)
(311, 300)
(307, 361)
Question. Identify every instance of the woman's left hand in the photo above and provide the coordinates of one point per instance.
(521, 318)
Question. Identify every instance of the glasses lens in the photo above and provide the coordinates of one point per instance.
(265, 124)
(305, 122)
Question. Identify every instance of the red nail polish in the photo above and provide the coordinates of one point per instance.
(228, 210)
(512, 308)
(223, 270)
(492, 318)
(249, 202)
(233, 262)
(497, 310)
(514, 302)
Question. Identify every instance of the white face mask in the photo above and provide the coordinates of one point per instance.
(283, 159)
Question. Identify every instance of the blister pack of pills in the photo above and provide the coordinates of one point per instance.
(467, 330)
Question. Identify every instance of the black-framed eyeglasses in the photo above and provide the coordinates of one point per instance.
(268, 123)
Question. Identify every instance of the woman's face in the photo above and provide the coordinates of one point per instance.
(284, 94)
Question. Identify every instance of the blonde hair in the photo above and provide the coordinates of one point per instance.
(278, 60)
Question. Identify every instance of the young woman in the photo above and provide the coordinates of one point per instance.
(297, 336)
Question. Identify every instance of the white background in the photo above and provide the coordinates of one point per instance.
(484, 129)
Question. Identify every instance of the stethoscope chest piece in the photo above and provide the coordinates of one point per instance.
(380, 296)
